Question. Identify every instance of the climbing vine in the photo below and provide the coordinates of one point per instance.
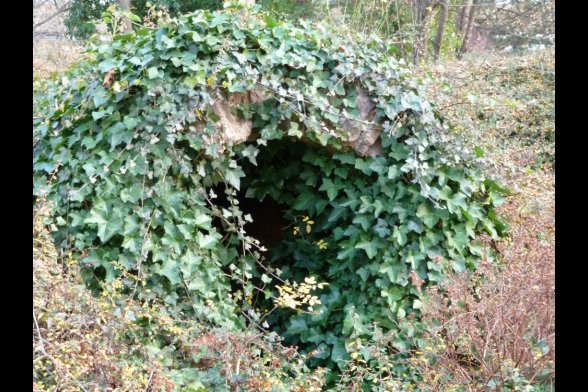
(132, 146)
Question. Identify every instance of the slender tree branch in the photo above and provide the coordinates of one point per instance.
(58, 12)
(41, 340)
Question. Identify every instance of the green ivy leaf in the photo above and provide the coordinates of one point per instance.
(330, 187)
(203, 220)
(208, 241)
(371, 248)
(233, 177)
(271, 23)
(108, 223)
(170, 269)
(425, 212)
(303, 202)
(266, 279)
(399, 236)
(294, 130)
(339, 354)
(297, 325)
(153, 73)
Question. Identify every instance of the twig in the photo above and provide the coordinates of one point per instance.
(466, 102)
(42, 344)
(149, 382)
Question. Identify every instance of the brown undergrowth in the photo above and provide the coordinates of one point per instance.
(495, 328)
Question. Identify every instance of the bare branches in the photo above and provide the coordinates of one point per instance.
(58, 12)
(66, 6)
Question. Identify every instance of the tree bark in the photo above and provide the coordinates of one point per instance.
(421, 10)
(398, 27)
(440, 30)
(126, 6)
(461, 17)
(468, 31)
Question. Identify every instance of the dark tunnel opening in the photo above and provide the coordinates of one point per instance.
(270, 192)
(267, 224)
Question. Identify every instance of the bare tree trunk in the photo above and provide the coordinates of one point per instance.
(421, 9)
(126, 6)
(468, 30)
(461, 16)
(440, 29)
(398, 28)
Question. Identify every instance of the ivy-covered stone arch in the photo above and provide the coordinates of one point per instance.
(131, 145)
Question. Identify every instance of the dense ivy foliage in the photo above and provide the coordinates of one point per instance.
(82, 13)
(132, 165)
